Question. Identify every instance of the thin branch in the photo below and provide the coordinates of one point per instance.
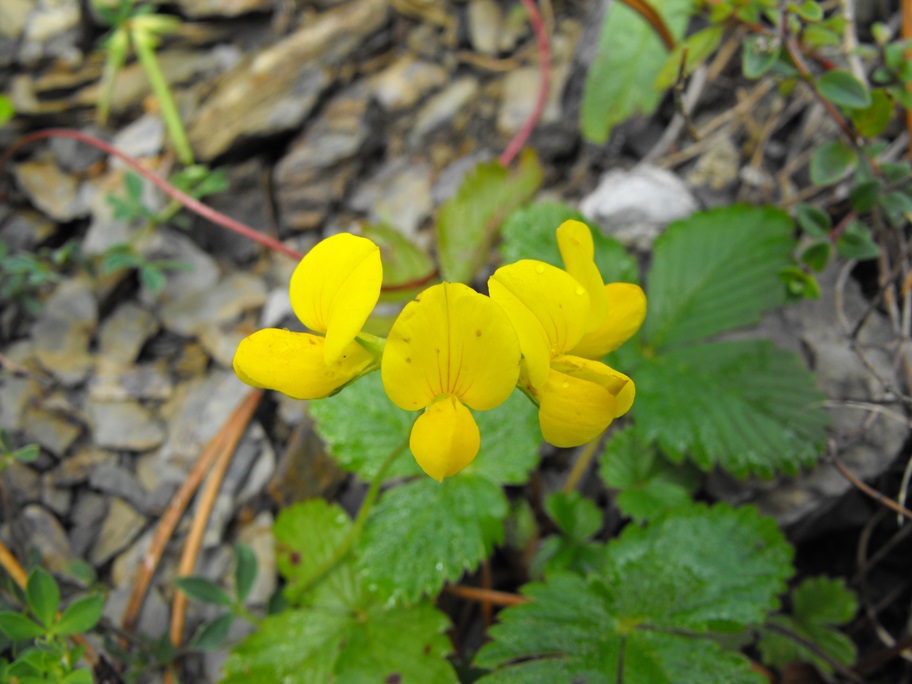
(489, 596)
(870, 491)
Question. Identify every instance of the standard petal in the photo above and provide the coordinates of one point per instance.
(574, 411)
(445, 438)
(547, 306)
(574, 239)
(626, 312)
(451, 340)
(335, 287)
(293, 363)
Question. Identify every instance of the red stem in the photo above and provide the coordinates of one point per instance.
(544, 84)
(195, 205)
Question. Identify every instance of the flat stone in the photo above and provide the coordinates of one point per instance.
(88, 513)
(196, 9)
(221, 340)
(76, 469)
(115, 381)
(484, 20)
(51, 190)
(223, 302)
(125, 331)
(144, 137)
(635, 206)
(13, 17)
(21, 484)
(15, 395)
(121, 525)
(56, 499)
(305, 470)
(398, 195)
(202, 272)
(64, 329)
(124, 425)
(115, 480)
(443, 107)
(520, 92)
(718, 166)
(405, 82)
(54, 430)
(276, 90)
(52, 30)
(43, 538)
(74, 156)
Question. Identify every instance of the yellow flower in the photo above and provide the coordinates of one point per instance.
(449, 349)
(333, 291)
(565, 321)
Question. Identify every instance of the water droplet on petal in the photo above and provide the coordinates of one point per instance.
(565, 385)
(580, 290)
(540, 268)
(439, 567)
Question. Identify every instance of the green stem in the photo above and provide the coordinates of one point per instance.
(143, 44)
(585, 458)
(345, 546)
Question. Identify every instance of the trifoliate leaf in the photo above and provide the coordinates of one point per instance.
(469, 221)
(530, 233)
(361, 426)
(716, 271)
(510, 440)
(579, 519)
(423, 534)
(366, 642)
(649, 484)
(745, 406)
(346, 632)
(819, 604)
(693, 571)
(630, 55)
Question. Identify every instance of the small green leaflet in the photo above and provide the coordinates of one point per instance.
(619, 83)
(469, 221)
(648, 484)
(830, 161)
(746, 406)
(694, 571)
(578, 519)
(345, 632)
(716, 271)
(842, 88)
(423, 534)
(819, 604)
(530, 233)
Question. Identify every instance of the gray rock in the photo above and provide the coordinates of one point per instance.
(443, 107)
(399, 195)
(484, 20)
(153, 618)
(276, 90)
(203, 271)
(718, 166)
(53, 429)
(76, 469)
(74, 156)
(196, 9)
(125, 425)
(21, 485)
(321, 164)
(13, 17)
(51, 190)
(15, 395)
(25, 230)
(121, 525)
(405, 82)
(51, 30)
(114, 381)
(520, 92)
(43, 539)
(88, 513)
(145, 137)
(125, 331)
(221, 340)
(635, 206)
(62, 333)
(54, 498)
(223, 302)
(257, 536)
(115, 480)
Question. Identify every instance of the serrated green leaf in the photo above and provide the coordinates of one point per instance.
(18, 627)
(245, 571)
(576, 516)
(739, 250)
(203, 589)
(530, 233)
(842, 88)
(760, 55)
(619, 83)
(856, 242)
(745, 406)
(873, 119)
(824, 601)
(80, 616)
(423, 534)
(364, 643)
(307, 536)
(43, 596)
(212, 634)
(649, 484)
(468, 222)
(361, 426)
(694, 570)
(830, 161)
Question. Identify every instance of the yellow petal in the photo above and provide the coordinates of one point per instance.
(618, 384)
(293, 363)
(574, 411)
(546, 305)
(626, 311)
(574, 240)
(335, 287)
(445, 438)
(451, 340)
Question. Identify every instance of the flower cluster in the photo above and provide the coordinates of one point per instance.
(453, 349)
